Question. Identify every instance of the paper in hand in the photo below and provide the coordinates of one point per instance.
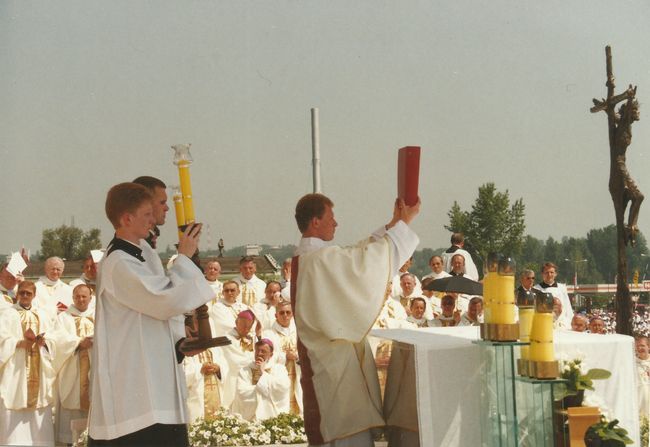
(16, 264)
(97, 255)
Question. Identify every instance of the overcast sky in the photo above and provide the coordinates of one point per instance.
(93, 93)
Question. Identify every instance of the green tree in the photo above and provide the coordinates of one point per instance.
(493, 224)
(69, 242)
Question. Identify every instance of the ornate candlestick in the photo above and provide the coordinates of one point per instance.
(184, 208)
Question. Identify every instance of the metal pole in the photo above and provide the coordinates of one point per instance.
(315, 149)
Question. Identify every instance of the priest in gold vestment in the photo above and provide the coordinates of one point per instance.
(337, 294)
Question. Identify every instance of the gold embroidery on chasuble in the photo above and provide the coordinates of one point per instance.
(29, 320)
(85, 328)
(211, 394)
(287, 344)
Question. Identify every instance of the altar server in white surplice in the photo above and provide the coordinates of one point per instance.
(457, 248)
(337, 294)
(194, 382)
(238, 354)
(224, 312)
(284, 338)
(73, 381)
(52, 293)
(138, 387)
(262, 386)
(28, 349)
(250, 286)
(558, 290)
(265, 309)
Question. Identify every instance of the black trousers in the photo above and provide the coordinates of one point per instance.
(172, 435)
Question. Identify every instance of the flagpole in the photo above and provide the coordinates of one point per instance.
(315, 149)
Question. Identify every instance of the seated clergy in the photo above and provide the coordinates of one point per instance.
(265, 310)
(238, 354)
(474, 314)
(27, 371)
(597, 325)
(251, 287)
(262, 386)
(579, 323)
(449, 316)
(408, 291)
(73, 381)
(52, 293)
(214, 370)
(224, 312)
(283, 336)
(396, 290)
(417, 308)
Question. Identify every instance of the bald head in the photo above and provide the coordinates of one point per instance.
(54, 268)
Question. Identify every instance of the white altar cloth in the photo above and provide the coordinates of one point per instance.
(448, 379)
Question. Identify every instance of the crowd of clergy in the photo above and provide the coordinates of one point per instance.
(46, 334)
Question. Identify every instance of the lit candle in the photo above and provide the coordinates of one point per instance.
(183, 159)
(541, 333)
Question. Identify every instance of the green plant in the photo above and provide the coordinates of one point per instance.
(286, 428)
(576, 380)
(606, 434)
(643, 423)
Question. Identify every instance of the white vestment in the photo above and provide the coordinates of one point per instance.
(251, 290)
(223, 315)
(73, 392)
(27, 413)
(49, 293)
(264, 313)
(136, 378)
(558, 290)
(194, 382)
(338, 295)
(643, 370)
(470, 268)
(286, 338)
(434, 275)
(237, 355)
(465, 320)
(266, 398)
(396, 288)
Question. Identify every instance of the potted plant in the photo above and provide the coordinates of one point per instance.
(606, 434)
(573, 390)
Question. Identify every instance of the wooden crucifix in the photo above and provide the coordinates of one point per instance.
(622, 188)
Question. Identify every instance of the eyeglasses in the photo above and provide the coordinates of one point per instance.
(229, 290)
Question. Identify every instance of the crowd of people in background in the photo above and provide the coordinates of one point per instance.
(46, 334)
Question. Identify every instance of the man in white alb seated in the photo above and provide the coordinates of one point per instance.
(396, 289)
(417, 317)
(73, 380)
(251, 288)
(212, 273)
(265, 310)
(284, 338)
(262, 386)
(437, 268)
(52, 293)
(474, 314)
(449, 316)
(337, 294)
(225, 311)
(28, 346)
(238, 354)
(138, 389)
(408, 288)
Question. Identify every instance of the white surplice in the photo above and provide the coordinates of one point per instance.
(194, 382)
(265, 399)
(237, 355)
(471, 271)
(284, 338)
(222, 316)
(339, 295)
(136, 378)
(49, 293)
(264, 313)
(558, 290)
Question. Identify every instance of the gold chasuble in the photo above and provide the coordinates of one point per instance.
(85, 328)
(211, 393)
(29, 320)
(247, 295)
(287, 344)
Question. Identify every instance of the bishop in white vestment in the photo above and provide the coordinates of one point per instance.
(337, 294)
(238, 354)
(224, 311)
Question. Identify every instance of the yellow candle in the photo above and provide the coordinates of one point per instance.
(526, 315)
(186, 191)
(503, 304)
(541, 338)
(179, 210)
(488, 296)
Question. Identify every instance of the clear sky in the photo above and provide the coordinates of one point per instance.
(93, 93)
